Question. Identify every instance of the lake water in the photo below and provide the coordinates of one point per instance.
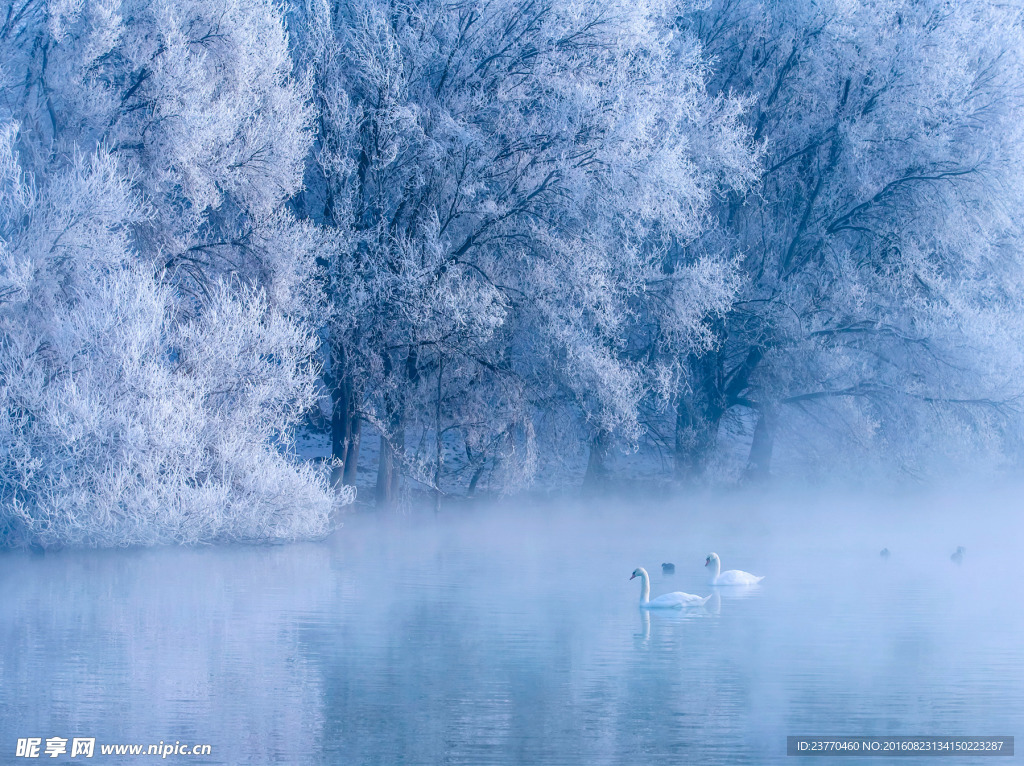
(511, 635)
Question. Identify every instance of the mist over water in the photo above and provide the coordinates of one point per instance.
(511, 634)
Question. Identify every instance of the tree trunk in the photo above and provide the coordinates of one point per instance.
(438, 438)
(344, 421)
(352, 453)
(392, 443)
(477, 473)
(389, 468)
(698, 416)
(471, 492)
(760, 460)
(597, 464)
(392, 452)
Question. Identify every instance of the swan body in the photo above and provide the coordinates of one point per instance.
(731, 576)
(958, 555)
(676, 600)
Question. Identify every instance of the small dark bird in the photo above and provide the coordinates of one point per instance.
(958, 555)
(668, 568)
(884, 553)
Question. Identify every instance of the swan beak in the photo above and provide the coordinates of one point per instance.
(632, 576)
(708, 561)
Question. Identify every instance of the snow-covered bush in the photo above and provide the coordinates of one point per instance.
(119, 423)
(156, 298)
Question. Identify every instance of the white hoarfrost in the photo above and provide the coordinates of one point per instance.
(155, 297)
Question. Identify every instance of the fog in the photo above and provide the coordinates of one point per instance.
(511, 633)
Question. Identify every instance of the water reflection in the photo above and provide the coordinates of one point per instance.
(645, 625)
(737, 593)
(667, 619)
(714, 605)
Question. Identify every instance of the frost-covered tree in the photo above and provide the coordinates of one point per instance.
(505, 178)
(153, 356)
(881, 260)
(122, 424)
(196, 102)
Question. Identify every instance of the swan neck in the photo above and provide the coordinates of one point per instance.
(645, 587)
(716, 568)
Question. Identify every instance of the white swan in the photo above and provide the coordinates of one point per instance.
(675, 600)
(732, 576)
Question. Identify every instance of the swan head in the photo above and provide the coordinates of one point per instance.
(712, 557)
(638, 572)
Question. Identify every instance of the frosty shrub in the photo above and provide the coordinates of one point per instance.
(120, 425)
(155, 295)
